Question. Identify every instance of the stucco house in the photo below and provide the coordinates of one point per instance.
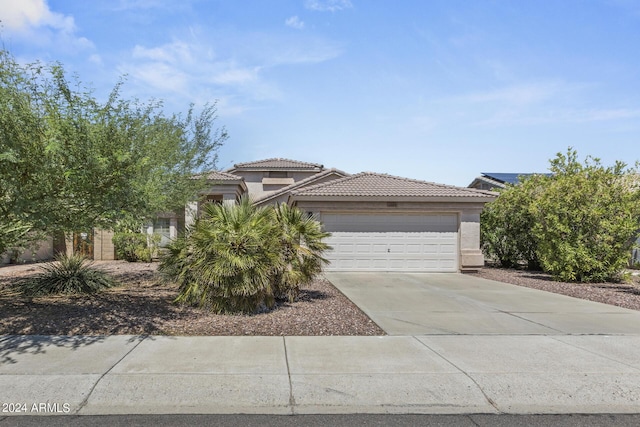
(378, 222)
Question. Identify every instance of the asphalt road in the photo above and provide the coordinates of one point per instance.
(480, 420)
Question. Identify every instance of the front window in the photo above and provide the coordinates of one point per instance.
(162, 227)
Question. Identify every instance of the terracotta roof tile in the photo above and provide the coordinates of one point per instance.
(381, 185)
(221, 176)
(278, 163)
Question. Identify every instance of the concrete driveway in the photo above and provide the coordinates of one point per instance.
(452, 304)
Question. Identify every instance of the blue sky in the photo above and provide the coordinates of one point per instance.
(433, 90)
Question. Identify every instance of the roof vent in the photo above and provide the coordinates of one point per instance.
(392, 204)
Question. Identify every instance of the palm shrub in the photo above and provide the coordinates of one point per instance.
(228, 260)
(68, 274)
(239, 258)
(301, 248)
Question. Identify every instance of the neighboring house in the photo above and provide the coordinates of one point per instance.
(378, 222)
(491, 181)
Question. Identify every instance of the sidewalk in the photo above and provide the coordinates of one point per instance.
(303, 375)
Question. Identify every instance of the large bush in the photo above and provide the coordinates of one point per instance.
(586, 220)
(239, 258)
(506, 226)
(579, 223)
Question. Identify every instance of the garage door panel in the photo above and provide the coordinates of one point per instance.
(388, 242)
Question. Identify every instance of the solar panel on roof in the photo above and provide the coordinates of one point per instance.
(507, 178)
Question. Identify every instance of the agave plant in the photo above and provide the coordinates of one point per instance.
(68, 274)
(301, 247)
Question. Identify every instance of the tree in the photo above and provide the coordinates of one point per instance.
(69, 162)
(586, 219)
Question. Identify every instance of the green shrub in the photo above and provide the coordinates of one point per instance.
(301, 249)
(506, 226)
(579, 223)
(228, 259)
(134, 247)
(586, 219)
(67, 275)
(239, 258)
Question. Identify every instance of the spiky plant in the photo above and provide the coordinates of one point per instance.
(230, 257)
(301, 247)
(68, 274)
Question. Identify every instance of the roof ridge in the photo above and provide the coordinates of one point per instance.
(422, 183)
(222, 173)
(277, 159)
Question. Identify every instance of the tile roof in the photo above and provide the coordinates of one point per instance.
(278, 163)
(300, 183)
(222, 176)
(382, 185)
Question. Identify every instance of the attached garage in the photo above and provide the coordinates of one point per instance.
(382, 223)
(392, 241)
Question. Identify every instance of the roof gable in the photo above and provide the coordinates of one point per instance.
(278, 163)
(302, 183)
(370, 184)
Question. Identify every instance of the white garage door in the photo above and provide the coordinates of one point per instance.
(392, 242)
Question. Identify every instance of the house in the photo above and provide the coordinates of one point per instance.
(378, 222)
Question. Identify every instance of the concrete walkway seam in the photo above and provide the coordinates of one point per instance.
(86, 399)
(292, 400)
(531, 321)
(556, 338)
(488, 399)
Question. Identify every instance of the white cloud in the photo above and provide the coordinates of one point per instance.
(96, 59)
(294, 22)
(21, 16)
(230, 74)
(161, 76)
(35, 21)
(205, 64)
(328, 5)
(173, 53)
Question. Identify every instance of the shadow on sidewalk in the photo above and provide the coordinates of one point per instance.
(13, 345)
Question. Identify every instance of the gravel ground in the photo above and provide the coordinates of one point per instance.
(625, 295)
(143, 305)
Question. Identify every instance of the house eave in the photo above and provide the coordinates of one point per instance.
(415, 199)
